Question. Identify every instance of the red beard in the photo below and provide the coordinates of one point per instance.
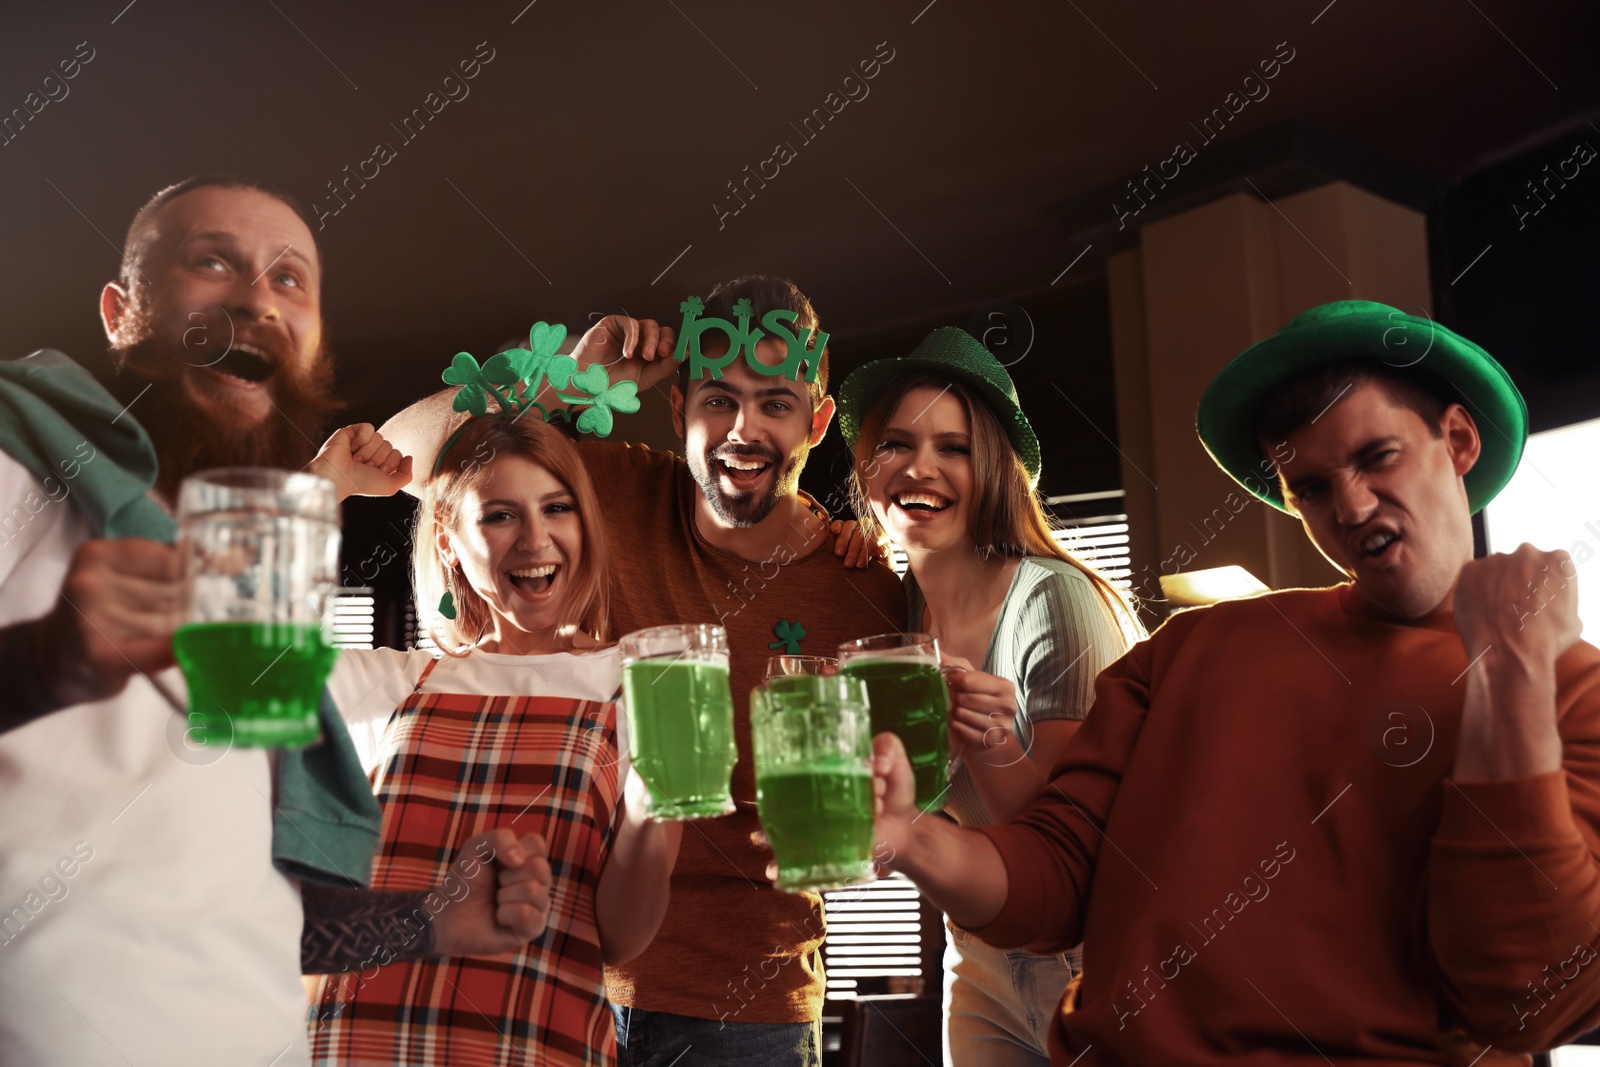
(188, 437)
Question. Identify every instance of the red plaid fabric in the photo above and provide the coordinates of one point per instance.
(453, 766)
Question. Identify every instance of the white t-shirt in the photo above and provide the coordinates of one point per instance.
(141, 918)
(367, 686)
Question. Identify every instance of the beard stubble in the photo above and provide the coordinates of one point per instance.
(190, 436)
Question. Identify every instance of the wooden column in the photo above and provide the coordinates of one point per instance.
(1202, 287)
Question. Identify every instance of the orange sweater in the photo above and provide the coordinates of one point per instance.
(1255, 836)
(732, 946)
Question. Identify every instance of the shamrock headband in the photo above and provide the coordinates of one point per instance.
(514, 377)
(805, 346)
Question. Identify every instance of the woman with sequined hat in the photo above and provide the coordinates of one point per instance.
(946, 466)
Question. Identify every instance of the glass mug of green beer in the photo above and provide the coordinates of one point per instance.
(260, 552)
(680, 718)
(908, 698)
(812, 737)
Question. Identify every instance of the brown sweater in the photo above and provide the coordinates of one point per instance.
(732, 946)
(1255, 836)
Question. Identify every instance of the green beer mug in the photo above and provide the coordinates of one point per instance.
(680, 718)
(909, 698)
(812, 736)
(260, 553)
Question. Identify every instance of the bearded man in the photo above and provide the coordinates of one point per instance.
(215, 323)
(161, 900)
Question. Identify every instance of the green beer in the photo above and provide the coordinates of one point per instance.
(789, 683)
(818, 819)
(254, 683)
(680, 718)
(812, 740)
(260, 551)
(909, 699)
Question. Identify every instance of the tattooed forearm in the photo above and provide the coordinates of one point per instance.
(357, 929)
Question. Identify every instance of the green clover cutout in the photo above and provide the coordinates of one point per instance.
(522, 361)
(500, 370)
(789, 634)
(465, 372)
(470, 398)
(513, 378)
(741, 309)
(596, 420)
(592, 382)
(692, 307)
(622, 398)
(558, 370)
(520, 394)
(540, 358)
(544, 338)
(463, 369)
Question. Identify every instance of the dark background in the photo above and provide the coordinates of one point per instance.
(1531, 300)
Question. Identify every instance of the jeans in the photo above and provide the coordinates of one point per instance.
(999, 1005)
(660, 1039)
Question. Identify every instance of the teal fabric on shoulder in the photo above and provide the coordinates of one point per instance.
(326, 822)
(63, 426)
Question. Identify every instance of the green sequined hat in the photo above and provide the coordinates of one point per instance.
(952, 353)
(1363, 329)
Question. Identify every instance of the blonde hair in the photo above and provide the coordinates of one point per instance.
(481, 442)
(1005, 519)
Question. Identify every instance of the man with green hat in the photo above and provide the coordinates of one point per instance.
(1355, 824)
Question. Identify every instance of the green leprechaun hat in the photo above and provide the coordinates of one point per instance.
(952, 353)
(1353, 330)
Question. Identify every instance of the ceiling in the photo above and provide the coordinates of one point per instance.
(582, 169)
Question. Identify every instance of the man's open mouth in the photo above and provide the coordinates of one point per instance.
(743, 471)
(247, 363)
(1378, 545)
(920, 503)
(536, 580)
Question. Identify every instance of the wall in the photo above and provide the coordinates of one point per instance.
(1201, 287)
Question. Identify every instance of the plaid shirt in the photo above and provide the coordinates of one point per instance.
(452, 766)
